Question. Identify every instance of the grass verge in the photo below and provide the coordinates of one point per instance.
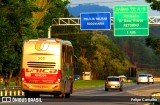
(2, 84)
(78, 84)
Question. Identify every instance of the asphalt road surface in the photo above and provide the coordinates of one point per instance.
(132, 94)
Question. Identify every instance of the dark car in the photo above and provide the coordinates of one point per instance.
(76, 77)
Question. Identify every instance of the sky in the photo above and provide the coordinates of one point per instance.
(112, 3)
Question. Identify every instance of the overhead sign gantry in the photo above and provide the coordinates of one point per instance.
(152, 20)
(127, 21)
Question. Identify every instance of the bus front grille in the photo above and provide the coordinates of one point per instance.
(41, 64)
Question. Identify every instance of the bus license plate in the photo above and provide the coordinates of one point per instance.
(112, 86)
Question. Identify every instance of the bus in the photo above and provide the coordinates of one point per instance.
(47, 67)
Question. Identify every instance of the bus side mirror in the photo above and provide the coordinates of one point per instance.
(75, 62)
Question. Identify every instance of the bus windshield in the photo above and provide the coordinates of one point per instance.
(42, 47)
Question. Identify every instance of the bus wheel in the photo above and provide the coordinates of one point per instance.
(35, 95)
(67, 95)
(27, 95)
(71, 88)
(59, 95)
(56, 95)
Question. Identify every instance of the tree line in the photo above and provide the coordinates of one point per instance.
(20, 20)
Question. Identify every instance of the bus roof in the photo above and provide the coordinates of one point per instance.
(52, 40)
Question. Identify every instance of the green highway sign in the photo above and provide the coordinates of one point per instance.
(131, 21)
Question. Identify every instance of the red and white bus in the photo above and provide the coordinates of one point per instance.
(47, 67)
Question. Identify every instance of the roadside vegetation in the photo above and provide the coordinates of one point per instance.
(78, 84)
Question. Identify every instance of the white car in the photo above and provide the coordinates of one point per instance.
(113, 82)
(151, 78)
(145, 78)
(123, 77)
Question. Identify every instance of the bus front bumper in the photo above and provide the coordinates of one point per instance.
(41, 87)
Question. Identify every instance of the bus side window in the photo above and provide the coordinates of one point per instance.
(63, 53)
(71, 56)
(67, 49)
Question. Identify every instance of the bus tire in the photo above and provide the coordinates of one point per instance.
(58, 95)
(121, 89)
(71, 88)
(27, 95)
(35, 95)
(106, 89)
(67, 95)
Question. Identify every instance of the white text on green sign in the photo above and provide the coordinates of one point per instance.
(131, 21)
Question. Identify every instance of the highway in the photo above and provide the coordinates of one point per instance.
(131, 94)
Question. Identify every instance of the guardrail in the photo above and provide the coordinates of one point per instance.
(11, 91)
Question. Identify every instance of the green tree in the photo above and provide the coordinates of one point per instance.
(14, 28)
(18, 22)
(84, 65)
(155, 4)
(108, 58)
(154, 42)
(52, 9)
